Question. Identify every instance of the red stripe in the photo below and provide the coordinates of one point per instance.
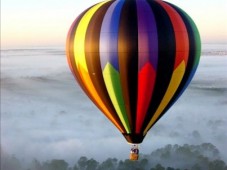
(181, 34)
(146, 81)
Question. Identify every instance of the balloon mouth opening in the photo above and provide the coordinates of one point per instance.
(134, 138)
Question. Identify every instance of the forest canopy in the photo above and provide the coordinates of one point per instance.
(171, 157)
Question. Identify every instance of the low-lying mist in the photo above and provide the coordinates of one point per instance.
(46, 116)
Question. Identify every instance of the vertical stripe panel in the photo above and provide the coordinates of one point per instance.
(128, 58)
(109, 60)
(181, 56)
(112, 79)
(80, 60)
(166, 58)
(93, 61)
(109, 35)
(174, 83)
(147, 61)
(194, 54)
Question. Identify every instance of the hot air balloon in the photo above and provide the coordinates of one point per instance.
(133, 59)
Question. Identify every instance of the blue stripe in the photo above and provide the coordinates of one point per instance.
(109, 35)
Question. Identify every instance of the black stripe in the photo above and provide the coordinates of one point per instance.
(192, 55)
(93, 58)
(166, 57)
(128, 57)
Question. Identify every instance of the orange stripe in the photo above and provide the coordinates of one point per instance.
(82, 75)
(90, 88)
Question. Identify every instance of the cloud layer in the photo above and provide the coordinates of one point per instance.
(45, 115)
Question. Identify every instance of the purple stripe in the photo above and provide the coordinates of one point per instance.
(147, 35)
(109, 35)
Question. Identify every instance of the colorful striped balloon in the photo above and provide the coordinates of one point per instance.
(133, 58)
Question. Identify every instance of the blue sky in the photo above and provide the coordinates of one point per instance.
(46, 23)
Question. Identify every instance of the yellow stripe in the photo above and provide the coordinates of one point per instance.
(109, 74)
(79, 53)
(79, 41)
(89, 86)
(80, 60)
(174, 84)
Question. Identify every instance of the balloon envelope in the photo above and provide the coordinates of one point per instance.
(133, 59)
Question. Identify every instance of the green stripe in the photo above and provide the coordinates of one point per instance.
(112, 80)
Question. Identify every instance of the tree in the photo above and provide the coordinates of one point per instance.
(128, 164)
(10, 163)
(91, 164)
(58, 165)
(196, 167)
(82, 162)
(217, 164)
(45, 166)
(158, 167)
(170, 168)
(75, 167)
(85, 164)
(109, 164)
(35, 165)
(143, 163)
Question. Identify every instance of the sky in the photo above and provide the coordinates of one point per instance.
(40, 84)
(46, 23)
